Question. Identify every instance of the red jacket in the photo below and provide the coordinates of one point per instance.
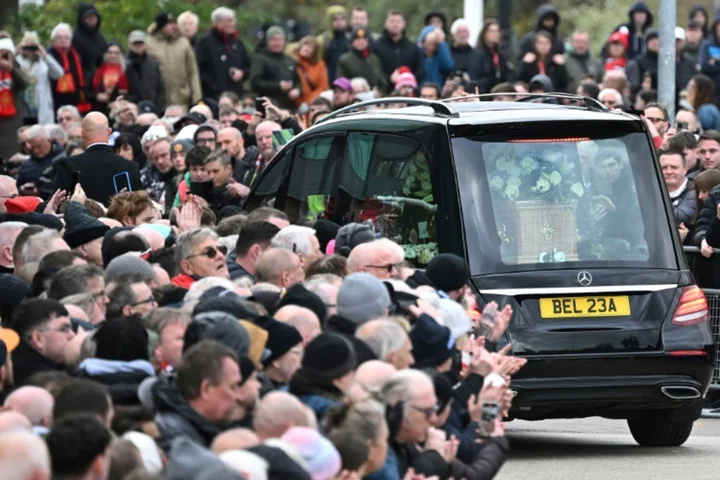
(183, 280)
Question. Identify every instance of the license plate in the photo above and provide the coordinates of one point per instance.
(573, 307)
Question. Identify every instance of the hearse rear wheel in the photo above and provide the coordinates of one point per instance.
(656, 429)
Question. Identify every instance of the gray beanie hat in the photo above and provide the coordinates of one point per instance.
(129, 263)
(362, 298)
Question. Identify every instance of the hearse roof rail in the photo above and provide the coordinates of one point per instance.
(588, 102)
(439, 108)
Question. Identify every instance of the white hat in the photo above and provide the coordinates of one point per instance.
(187, 132)
(148, 450)
(7, 44)
(679, 33)
(455, 317)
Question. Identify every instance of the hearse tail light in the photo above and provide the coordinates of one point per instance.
(692, 308)
(550, 140)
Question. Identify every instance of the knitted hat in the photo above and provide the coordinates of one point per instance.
(122, 339)
(406, 80)
(247, 368)
(181, 146)
(651, 34)
(218, 326)
(81, 227)
(362, 297)
(350, 236)
(359, 32)
(301, 296)
(22, 204)
(322, 460)
(432, 343)
(163, 19)
(14, 290)
(325, 230)
(448, 272)
(274, 31)
(329, 356)
(129, 263)
(454, 317)
(281, 338)
(7, 44)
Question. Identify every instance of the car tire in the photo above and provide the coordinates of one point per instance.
(656, 429)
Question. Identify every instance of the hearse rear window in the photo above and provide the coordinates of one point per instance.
(555, 202)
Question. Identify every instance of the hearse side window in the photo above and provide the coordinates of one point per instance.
(388, 180)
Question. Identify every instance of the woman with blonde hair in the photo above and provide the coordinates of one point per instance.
(311, 70)
(40, 68)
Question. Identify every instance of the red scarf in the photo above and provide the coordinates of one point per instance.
(7, 98)
(227, 39)
(66, 83)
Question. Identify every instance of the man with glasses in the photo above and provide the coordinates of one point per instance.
(611, 98)
(198, 255)
(130, 297)
(80, 279)
(381, 258)
(8, 189)
(45, 330)
(658, 115)
(206, 135)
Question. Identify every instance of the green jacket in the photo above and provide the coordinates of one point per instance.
(354, 64)
(268, 69)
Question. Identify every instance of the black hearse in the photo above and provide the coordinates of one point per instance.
(561, 212)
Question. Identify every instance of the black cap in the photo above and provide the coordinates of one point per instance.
(448, 272)
(302, 297)
(146, 106)
(163, 19)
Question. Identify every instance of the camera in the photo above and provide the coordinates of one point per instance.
(682, 126)
(490, 411)
(31, 48)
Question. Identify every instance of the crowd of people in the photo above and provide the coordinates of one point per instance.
(153, 328)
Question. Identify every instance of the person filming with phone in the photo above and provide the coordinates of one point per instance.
(101, 172)
(42, 68)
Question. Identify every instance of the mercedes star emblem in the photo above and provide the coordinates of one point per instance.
(584, 278)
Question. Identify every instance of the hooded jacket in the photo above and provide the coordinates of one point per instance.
(176, 418)
(636, 38)
(332, 44)
(441, 16)
(700, 8)
(528, 41)
(395, 54)
(145, 80)
(438, 66)
(216, 53)
(89, 43)
(178, 67)
(710, 56)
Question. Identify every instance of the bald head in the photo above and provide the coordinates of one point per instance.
(378, 253)
(268, 126)
(303, 319)
(373, 374)
(231, 132)
(276, 266)
(95, 128)
(235, 439)
(8, 188)
(231, 142)
(23, 456)
(276, 413)
(11, 420)
(34, 402)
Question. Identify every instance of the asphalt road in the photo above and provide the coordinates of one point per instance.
(595, 448)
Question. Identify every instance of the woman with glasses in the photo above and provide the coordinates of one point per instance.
(199, 255)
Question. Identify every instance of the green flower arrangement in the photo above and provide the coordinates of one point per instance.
(417, 183)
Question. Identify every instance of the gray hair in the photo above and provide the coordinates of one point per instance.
(38, 245)
(69, 108)
(204, 284)
(36, 131)
(318, 284)
(382, 336)
(8, 232)
(56, 132)
(219, 156)
(610, 91)
(294, 238)
(399, 387)
(81, 300)
(220, 13)
(59, 28)
(160, 318)
(72, 280)
(364, 418)
(187, 241)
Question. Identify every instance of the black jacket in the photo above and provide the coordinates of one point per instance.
(97, 166)
(27, 361)
(176, 418)
(635, 38)
(528, 41)
(707, 224)
(215, 55)
(489, 73)
(557, 74)
(468, 60)
(268, 69)
(145, 80)
(394, 55)
(334, 47)
(90, 43)
(121, 378)
(72, 98)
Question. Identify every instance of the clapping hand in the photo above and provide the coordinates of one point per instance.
(189, 215)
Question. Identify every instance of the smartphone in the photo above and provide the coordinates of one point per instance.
(682, 126)
(490, 411)
(201, 189)
(122, 181)
(75, 181)
(31, 48)
(260, 105)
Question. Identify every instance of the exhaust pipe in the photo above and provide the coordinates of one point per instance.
(677, 392)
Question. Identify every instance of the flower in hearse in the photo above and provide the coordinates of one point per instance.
(577, 189)
(528, 164)
(512, 192)
(555, 178)
(542, 185)
(497, 184)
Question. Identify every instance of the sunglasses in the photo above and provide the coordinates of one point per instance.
(209, 252)
(389, 267)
